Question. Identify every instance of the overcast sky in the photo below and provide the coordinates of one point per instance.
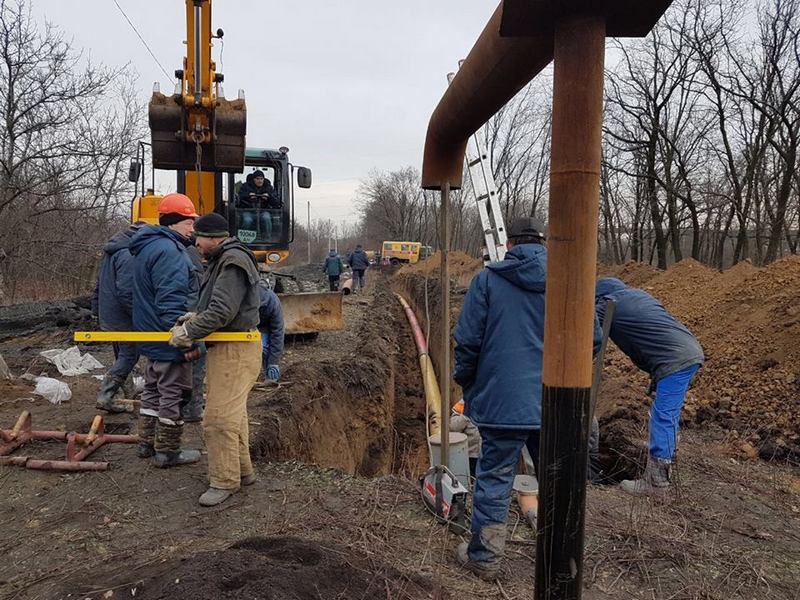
(347, 85)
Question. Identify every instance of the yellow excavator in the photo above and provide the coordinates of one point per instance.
(200, 134)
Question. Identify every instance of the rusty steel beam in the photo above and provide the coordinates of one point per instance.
(493, 72)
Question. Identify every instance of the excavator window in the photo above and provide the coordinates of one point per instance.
(257, 215)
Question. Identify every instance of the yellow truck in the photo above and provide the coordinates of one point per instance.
(399, 253)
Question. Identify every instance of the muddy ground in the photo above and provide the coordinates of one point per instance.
(336, 510)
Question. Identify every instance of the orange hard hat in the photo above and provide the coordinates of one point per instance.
(458, 407)
(177, 204)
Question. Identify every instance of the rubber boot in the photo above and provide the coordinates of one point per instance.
(168, 446)
(147, 436)
(484, 570)
(654, 480)
(105, 397)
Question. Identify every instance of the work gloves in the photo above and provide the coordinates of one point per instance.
(178, 337)
(185, 317)
(273, 372)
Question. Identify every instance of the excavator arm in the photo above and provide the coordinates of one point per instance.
(196, 128)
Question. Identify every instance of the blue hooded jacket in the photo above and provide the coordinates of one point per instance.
(358, 260)
(270, 323)
(113, 296)
(333, 265)
(642, 328)
(166, 284)
(500, 341)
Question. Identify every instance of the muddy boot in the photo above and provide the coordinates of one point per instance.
(213, 496)
(654, 480)
(147, 436)
(168, 446)
(488, 571)
(108, 389)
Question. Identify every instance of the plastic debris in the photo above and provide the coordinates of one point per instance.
(52, 389)
(70, 363)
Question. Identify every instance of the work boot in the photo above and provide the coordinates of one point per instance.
(654, 480)
(147, 436)
(108, 389)
(213, 496)
(168, 446)
(248, 479)
(488, 571)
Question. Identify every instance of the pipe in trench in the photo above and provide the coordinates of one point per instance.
(433, 398)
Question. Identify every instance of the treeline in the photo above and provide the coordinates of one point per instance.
(700, 151)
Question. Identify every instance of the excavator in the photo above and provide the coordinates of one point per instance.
(200, 134)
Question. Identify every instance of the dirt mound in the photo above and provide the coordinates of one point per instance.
(748, 321)
(460, 263)
(634, 273)
(281, 568)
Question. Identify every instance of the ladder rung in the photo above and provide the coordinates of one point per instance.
(477, 161)
(483, 196)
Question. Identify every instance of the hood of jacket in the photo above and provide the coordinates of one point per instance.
(242, 253)
(120, 241)
(151, 233)
(607, 286)
(332, 254)
(525, 266)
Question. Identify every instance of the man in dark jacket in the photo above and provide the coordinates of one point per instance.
(270, 324)
(192, 411)
(333, 269)
(498, 364)
(257, 196)
(165, 287)
(112, 303)
(359, 262)
(229, 301)
(664, 348)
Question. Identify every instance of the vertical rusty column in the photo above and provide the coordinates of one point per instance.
(444, 366)
(574, 197)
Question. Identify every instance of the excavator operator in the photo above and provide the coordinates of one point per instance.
(255, 195)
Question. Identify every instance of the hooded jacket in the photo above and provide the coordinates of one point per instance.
(333, 265)
(270, 322)
(358, 260)
(113, 294)
(642, 328)
(500, 340)
(165, 285)
(229, 298)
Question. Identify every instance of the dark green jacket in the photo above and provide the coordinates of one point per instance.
(229, 293)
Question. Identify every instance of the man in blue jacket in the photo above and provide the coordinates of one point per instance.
(498, 364)
(664, 348)
(333, 269)
(166, 285)
(270, 324)
(359, 262)
(112, 303)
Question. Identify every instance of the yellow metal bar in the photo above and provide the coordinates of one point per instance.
(162, 336)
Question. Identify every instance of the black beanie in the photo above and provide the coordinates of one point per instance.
(171, 219)
(212, 225)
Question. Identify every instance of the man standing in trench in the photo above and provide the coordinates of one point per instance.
(229, 301)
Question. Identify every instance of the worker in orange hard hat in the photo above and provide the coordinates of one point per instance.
(166, 286)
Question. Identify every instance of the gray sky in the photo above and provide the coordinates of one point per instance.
(347, 85)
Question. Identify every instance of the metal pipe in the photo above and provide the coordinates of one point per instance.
(494, 71)
(65, 465)
(198, 60)
(444, 365)
(569, 313)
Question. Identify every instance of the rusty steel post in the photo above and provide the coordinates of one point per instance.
(579, 50)
(444, 367)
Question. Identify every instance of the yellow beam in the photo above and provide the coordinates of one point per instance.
(161, 336)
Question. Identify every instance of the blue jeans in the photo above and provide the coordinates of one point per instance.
(126, 355)
(247, 220)
(666, 412)
(494, 479)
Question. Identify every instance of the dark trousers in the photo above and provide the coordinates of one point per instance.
(501, 450)
(194, 409)
(167, 386)
(126, 355)
(333, 281)
(358, 279)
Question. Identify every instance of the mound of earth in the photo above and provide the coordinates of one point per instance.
(634, 273)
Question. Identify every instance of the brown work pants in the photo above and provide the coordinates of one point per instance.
(232, 369)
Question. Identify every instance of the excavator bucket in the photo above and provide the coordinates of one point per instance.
(312, 312)
(173, 148)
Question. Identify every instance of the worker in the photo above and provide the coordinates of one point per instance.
(333, 269)
(498, 364)
(165, 287)
(229, 301)
(112, 304)
(192, 411)
(666, 350)
(270, 324)
(359, 262)
(460, 423)
(257, 196)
